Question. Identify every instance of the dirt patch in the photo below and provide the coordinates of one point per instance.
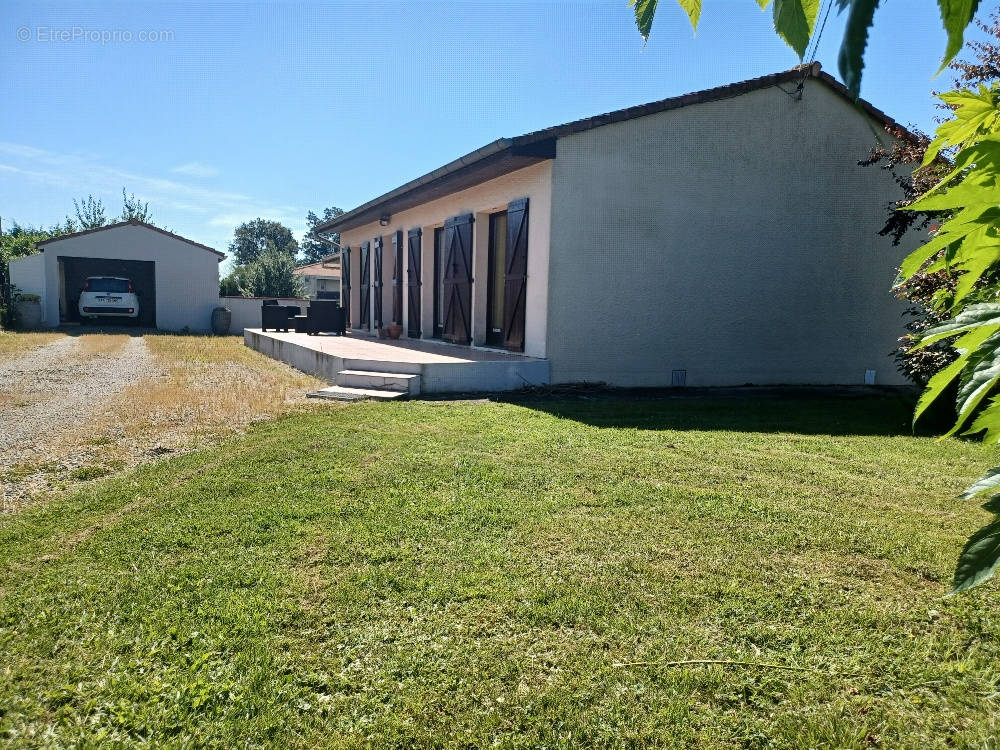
(51, 391)
(82, 408)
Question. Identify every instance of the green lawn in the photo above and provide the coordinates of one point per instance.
(476, 574)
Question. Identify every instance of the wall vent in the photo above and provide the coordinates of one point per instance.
(678, 378)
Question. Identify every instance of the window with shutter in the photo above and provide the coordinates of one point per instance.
(377, 280)
(438, 295)
(365, 283)
(397, 277)
(458, 279)
(413, 283)
(516, 273)
(345, 283)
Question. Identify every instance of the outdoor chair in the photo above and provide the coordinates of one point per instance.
(278, 317)
(325, 316)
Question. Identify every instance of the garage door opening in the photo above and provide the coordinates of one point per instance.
(73, 272)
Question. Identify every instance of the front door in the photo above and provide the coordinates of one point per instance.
(495, 279)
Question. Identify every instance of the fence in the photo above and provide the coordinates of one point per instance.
(246, 310)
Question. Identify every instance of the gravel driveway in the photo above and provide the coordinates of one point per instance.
(54, 389)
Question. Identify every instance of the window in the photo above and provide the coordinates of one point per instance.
(438, 282)
(496, 277)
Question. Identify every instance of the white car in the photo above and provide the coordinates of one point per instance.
(108, 295)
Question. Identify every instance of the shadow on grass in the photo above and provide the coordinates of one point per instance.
(806, 411)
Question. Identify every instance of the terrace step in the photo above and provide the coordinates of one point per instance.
(390, 381)
(341, 393)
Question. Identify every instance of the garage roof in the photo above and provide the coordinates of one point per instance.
(135, 223)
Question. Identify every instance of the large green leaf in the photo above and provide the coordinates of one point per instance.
(851, 60)
(645, 10)
(990, 480)
(693, 10)
(981, 374)
(966, 345)
(794, 21)
(988, 423)
(978, 165)
(979, 559)
(982, 316)
(978, 264)
(956, 15)
(974, 219)
(973, 112)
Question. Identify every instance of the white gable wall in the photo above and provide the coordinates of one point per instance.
(736, 240)
(27, 274)
(187, 277)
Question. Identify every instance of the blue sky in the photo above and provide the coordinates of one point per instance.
(241, 110)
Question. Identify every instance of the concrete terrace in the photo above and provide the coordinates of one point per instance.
(368, 366)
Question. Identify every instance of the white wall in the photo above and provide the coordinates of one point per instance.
(246, 310)
(187, 277)
(535, 183)
(736, 240)
(28, 275)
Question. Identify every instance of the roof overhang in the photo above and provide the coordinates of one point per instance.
(493, 160)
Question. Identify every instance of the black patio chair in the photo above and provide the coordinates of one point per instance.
(325, 316)
(278, 317)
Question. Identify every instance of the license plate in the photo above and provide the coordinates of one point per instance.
(109, 299)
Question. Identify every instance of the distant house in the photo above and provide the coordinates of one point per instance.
(175, 279)
(322, 279)
(723, 237)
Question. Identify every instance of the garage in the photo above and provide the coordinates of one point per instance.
(73, 272)
(175, 280)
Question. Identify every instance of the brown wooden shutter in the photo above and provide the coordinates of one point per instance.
(516, 281)
(397, 277)
(345, 283)
(458, 279)
(377, 280)
(413, 282)
(366, 289)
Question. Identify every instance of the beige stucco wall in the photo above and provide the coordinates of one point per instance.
(735, 240)
(187, 277)
(535, 183)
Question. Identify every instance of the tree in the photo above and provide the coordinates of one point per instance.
(272, 274)
(253, 238)
(133, 208)
(966, 247)
(795, 20)
(90, 213)
(925, 291)
(314, 249)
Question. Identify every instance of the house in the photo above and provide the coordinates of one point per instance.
(175, 279)
(322, 278)
(719, 238)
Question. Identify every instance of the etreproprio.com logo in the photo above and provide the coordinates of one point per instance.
(48, 34)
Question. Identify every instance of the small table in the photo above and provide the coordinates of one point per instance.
(301, 323)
